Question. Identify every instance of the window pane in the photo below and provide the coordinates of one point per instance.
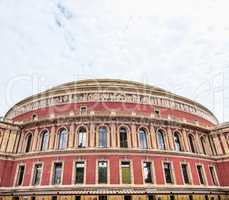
(57, 173)
(142, 139)
(177, 142)
(21, 170)
(167, 171)
(160, 138)
(103, 137)
(28, 144)
(213, 175)
(147, 172)
(200, 174)
(44, 141)
(202, 144)
(79, 173)
(123, 138)
(82, 138)
(37, 174)
(185, 173)
(63, 139)
(102, 172)
(126, 175)
(191, 143)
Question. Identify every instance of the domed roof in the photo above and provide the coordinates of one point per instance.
(101, 85)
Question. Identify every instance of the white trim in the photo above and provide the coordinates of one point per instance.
(32, 173)
(96, 172)
(16, 176)
(172, 171)
(52, 171)
(74, 172)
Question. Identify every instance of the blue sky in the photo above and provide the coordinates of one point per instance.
(181, 46)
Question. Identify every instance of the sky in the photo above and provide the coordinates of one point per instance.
(181, 46)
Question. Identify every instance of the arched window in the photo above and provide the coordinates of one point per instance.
(62, 143)
(177, 142)
(123, 137)
(28, 143)
(202, 140)
(161, 139)
(191, 143)
(142, 139)
(82, 137)
(103, 137)
(44, 140)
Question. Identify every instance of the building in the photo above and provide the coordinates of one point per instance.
(112, 140)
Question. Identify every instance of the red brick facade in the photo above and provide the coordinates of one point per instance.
(113, 104)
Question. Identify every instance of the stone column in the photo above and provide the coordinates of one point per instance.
(170, 139)
(153, 137)
(71, 136)
(149, 140)
(35, 139)
(6, 135)
(113, 136)
(133, 134)
(92, 135)
(11, 141)
(207, 146)
(16, 144)
(21, 141)
(52, 138)
(219, 150)
(198, 145)
(129, 138)
(185, 141)
(224, 143)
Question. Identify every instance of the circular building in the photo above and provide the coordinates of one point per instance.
(112, 140)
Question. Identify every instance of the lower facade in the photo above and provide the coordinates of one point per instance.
(120, 197)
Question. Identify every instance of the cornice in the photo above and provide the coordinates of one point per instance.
(107, 152)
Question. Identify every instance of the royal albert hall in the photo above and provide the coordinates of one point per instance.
(112, 140)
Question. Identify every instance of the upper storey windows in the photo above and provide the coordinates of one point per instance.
(177, 142)
(28, 143)
(82, 137)
(44, 140)
(161, 139)
(123, 137)
(103, 137)
(62, 135)
(192, 143)
(143, 139)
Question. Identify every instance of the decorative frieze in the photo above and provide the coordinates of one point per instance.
(122, 97)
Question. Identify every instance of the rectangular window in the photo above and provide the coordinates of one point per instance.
(213, 175)
(151, 197)
(37, 174)
(185, 173)
(172, 197)
(147, 172)
(168, 173)
(200, 174)
(20, 176)
(102, 172)
(77, 197)
(127, 197)
(102, 197)
(57, 173)
(79, 172)
(126, 172)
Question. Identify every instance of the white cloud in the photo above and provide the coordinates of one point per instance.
(182, 46)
